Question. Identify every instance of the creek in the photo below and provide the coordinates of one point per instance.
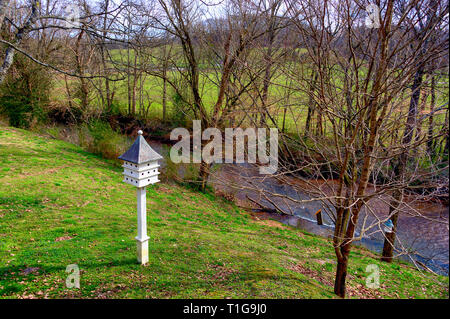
(426, 240)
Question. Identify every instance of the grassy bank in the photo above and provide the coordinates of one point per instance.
(60, 205)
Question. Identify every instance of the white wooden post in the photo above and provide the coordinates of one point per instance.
(142, 238)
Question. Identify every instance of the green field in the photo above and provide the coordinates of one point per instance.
(297, 81)
(60, 205)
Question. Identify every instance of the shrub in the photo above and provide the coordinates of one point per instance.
(114, 110)
(66, 114)
(25, 93)
(181, 109)
(103, 140)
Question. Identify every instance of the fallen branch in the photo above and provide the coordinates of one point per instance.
(266, 209)
(425, 267)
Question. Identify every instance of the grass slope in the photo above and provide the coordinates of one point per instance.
(60, 205)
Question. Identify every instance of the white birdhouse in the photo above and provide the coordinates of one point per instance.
(141, 169)
(140, 163)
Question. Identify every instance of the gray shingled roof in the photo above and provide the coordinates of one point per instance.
(140, 152)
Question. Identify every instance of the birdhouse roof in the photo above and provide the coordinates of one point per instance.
(140, 152)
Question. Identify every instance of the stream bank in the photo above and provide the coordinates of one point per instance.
(428, 240)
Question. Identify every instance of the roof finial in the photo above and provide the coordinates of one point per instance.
(140, 132)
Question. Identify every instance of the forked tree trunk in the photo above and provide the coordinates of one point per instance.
(346, 216)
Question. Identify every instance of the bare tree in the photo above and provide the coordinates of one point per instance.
(360, 96)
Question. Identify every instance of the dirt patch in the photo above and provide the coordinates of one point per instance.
(221, 272)
(30, 270)
(106, 292)
(63, 238)
(323, 261)
(311, 273)
(362, 292)
(165, 190)
(270, 223)
(265, 219)
(42, 172)
(227, 196)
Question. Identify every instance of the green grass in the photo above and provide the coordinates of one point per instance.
(60, 205)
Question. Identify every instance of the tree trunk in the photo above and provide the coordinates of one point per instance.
(103, 57)
(311, 106)
(341, 275)
(388, 250)
(430, 143)
(271, 34)
(319, 127)
(69, 95)
(308, 119)
(267, 76)
(165, 69)
(388, 247)
(283, 129)
(164, 99)
(445, 127)
(84, 95)
(389, 239)
(80, 65)
(204, 175)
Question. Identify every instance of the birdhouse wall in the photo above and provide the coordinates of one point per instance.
(140, 175)
(141, 167)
